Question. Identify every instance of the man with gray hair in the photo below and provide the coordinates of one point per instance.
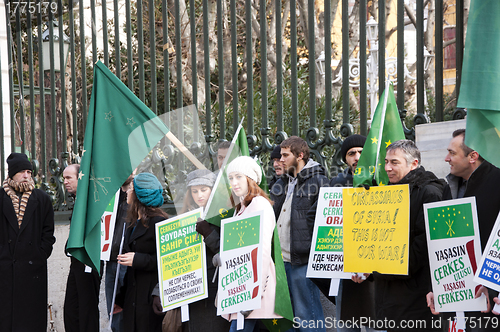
(399, 297)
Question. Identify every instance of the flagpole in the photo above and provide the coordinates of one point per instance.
(382, 122)
(116, 278)
(184, 150)
(221, 170)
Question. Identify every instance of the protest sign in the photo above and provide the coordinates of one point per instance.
(376, 229)
(241, 259)
(488, 273)
(108, 221)
(326, 258)
(454, 249)
(182, 271)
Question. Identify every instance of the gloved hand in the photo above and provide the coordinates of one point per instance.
(216, 260)
(203, 227)
(245, 313)
(157, 308)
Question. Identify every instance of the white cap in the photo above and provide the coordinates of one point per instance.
(245, 165)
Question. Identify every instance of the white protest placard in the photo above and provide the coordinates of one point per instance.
(182, 267)
(240, 274)
(326, 258)
(454, 249)
(488, 273)
(108, 222)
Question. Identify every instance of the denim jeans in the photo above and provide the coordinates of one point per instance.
(109, 284)
(305, 299)
(341, 327)
(249, 325)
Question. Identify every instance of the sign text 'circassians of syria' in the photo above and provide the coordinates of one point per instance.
(376, 229)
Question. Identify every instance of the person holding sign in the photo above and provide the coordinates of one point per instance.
(293, 196)
(354, 300)
(199, 187)
(244, 176)
(471, 175)
(402, 297)
(144, 199)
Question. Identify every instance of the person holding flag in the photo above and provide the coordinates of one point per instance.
(245, 175)
(144, 198)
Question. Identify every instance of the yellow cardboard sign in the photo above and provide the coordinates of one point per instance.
(376, 229)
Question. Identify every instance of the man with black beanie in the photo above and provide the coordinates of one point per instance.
(351, 151)
(277, 165)
(26, 240)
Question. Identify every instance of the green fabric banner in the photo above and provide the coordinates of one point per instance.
(120, 132)
(386, 128)
(481, 79)
(282, 302)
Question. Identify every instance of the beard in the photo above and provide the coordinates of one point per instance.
(291, 169)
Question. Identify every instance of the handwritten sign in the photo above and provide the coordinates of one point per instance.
(376, 229)
(488, 273)
(326, 258)
(108, 222)
(454, 249)
(241, 257)
(182, 271)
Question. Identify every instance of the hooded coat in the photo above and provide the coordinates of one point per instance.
(23, 263)
(403, 297)
(305, 194)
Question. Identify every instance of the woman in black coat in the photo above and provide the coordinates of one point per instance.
(144, 199)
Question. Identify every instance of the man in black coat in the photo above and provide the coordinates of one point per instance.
(402, 298)
(293, 198)
(471, 175)
(26, 240)
(81, 302)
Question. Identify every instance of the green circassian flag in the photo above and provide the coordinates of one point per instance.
(219, 204)
(386, 128)
(450, 222)
(481, 79)
(120, 132)
(241, 233)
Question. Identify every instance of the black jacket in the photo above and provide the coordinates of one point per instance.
(305, 194)
(135, 296)
(23, 263)
(484, 184)
(403, 297)
(343, 179)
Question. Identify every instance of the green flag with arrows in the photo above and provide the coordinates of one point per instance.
(386, 128)
(481, 79)
(120, 132)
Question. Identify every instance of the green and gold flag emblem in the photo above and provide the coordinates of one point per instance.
(242, 233)
(450, 222)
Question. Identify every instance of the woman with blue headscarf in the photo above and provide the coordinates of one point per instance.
(144, 198)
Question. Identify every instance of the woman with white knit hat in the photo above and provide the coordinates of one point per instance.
(244, 176)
